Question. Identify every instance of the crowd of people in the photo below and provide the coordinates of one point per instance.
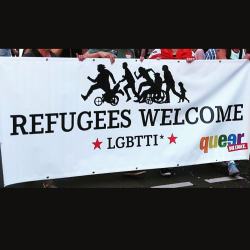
(179, 54)
(188, 54)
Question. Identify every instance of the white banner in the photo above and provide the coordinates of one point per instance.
(62, 118)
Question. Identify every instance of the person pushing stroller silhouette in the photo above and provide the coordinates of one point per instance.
(102, 82)
(168, 79)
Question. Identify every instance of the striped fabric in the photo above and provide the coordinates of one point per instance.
(210, 54)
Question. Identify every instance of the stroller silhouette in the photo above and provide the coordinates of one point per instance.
(110, 96)
(156, 97)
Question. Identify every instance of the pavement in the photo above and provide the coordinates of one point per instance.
(198, 176)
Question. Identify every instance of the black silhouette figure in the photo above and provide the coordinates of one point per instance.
(131, 82)
(168, 79)
(183, 93)
(158, 83)
(102, 81)
(145, 74)
(110, 96)
(155, 92)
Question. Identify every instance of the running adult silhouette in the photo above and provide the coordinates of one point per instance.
(102, 81)
(130, 82)
(168, 79)
(145, 74)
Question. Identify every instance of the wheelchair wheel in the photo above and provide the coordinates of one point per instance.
(149, 100)
(98, 101)
(161, 98)
(114, 100)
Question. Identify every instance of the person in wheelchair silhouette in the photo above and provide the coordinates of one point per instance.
(144, 73)
(154, 93)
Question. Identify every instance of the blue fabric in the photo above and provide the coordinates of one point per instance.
(5, 52)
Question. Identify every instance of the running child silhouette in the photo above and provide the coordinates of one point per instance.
(183, 93)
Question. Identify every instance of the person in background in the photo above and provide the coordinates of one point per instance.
(25, 51)
(57, 52)
(207, 54)
(210, 54)
(145, 53)
(66, 52)
(247, 55)
(5, 52)
(230, 53)
(71, 53)
(137, 52)
(43, 52)
(179, 54)
(112, 54)
(40, 53)
(15, 52)
(98, 53)
(199, 54)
